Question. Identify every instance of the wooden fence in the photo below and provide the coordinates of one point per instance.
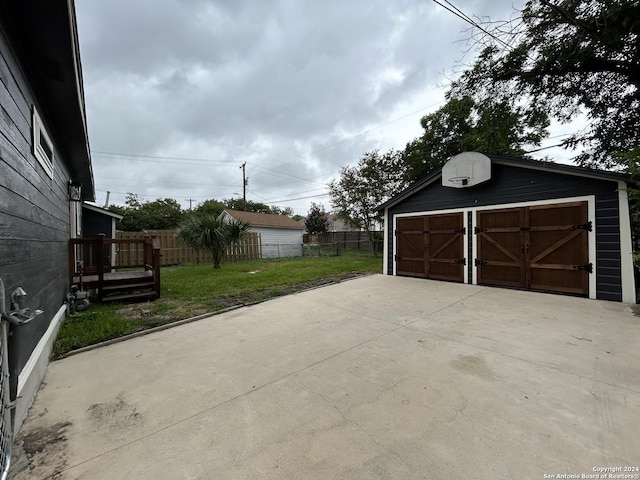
(175, 252)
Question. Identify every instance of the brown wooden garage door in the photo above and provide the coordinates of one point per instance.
(539, 247)
(431, 247)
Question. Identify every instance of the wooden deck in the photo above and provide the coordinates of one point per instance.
(116, 270)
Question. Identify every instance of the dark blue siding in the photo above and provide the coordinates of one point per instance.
(609, 271)
(94, 224)
(510, 184)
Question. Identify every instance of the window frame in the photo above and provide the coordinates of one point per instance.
(40, 134)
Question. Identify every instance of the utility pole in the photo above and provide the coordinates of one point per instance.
(244, 186)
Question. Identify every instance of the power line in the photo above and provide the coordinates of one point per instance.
(471, 22)
(462, 15)
(299, 198)
(137, 182)
(561, 144)
(172, 195)
(158, 157)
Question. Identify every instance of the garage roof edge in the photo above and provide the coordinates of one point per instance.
(514, 162)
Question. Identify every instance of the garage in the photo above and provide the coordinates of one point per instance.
(516, 223)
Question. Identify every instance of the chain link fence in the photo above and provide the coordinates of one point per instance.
(337, 243)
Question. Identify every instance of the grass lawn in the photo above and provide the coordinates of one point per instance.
(188, 291)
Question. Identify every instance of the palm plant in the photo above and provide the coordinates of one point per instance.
(211, 233)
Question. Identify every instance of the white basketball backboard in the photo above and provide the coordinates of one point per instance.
(466, 170)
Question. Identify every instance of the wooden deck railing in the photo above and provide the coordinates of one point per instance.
(95, 257)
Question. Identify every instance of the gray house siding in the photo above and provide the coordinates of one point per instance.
(34, 208)
(511, 184)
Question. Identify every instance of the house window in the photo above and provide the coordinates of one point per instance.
(42, 146)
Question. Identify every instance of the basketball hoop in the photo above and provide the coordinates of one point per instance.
(466, 170)
(464, 180)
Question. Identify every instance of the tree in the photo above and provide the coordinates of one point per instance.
(211, 233)
(211, 206)
(160, 214)
(238, 204)
(286, 211)
(361, 188)
(567, 57)
(132, 200)
(317, 221)
(494, 125)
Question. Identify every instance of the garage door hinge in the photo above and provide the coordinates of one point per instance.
(462, 261)
(587, 267)
(525, 229)
(395, 233)
(479, 262)
(395, 257)
(478, 230)
(584, 226)
(460, 230)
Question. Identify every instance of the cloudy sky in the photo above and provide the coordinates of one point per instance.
(180, 93)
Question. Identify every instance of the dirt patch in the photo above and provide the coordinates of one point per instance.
(140, 311)
(45, 449)
(114, 414)
(160, 312)
(636, 310)
(40, 438)
(472, 365)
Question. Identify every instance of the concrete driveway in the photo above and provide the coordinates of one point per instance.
(375, 378)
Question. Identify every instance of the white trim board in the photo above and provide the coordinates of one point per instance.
(591, 207)
(33, 372)
(385, 244)
(626, 248)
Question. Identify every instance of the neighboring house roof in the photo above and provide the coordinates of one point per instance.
(513, 162)
(46, 37)
(102, 211)
(265, 219)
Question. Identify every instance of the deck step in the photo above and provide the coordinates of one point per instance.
(127, 286)
(129, 296)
